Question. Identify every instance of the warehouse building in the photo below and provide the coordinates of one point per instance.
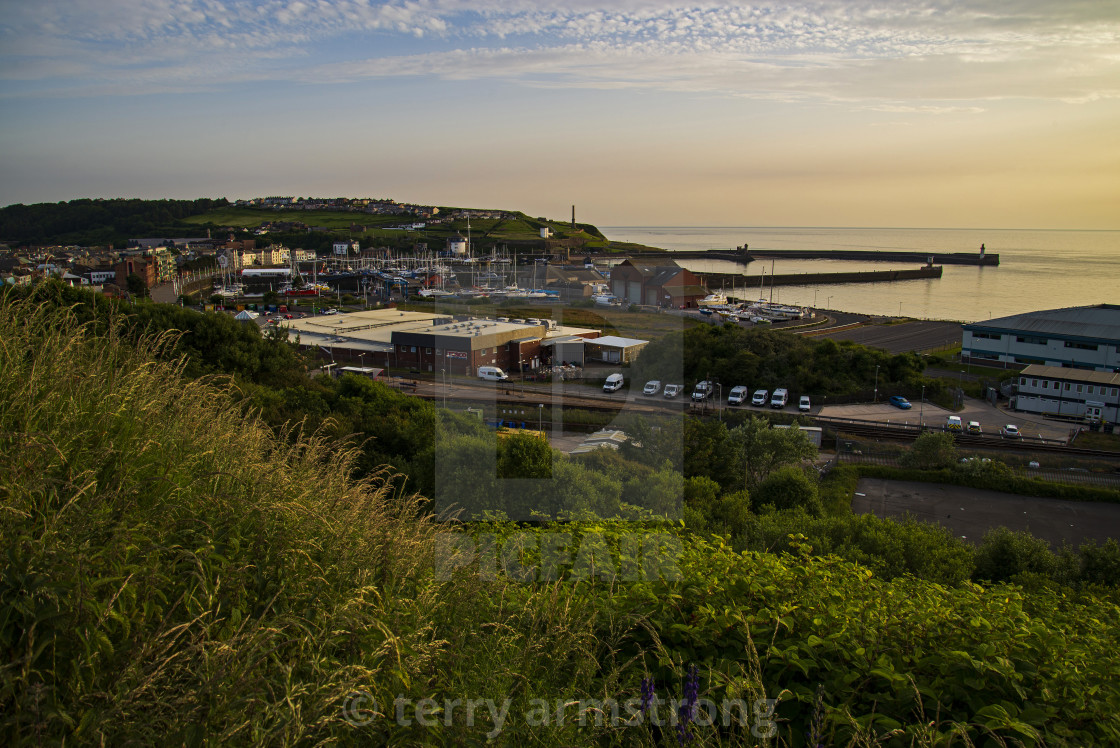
(422, 341)
(1084, 337)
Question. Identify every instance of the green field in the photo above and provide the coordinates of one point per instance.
(484, 232)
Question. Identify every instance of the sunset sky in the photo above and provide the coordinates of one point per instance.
(1003, 113)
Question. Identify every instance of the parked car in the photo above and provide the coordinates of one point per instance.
(760, 397)
(974, 427)
(613, 384)
(804, 404)
(652, 387)
(899, 401)
(953, 423)
(780, 398)
(331, 311)
(738, 395)
(703, 391)
(1010, 431)
(672, 390)
(492, 374)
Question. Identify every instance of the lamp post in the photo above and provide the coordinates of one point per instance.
(815, 297)
(443, 376)
(828, 302)
(875, 398)
(922, 410)
(719, 402)
(960, 387)
(540, 418)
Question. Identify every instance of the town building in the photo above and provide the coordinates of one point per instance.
(660, 283)
(429, 342)
(1083, 337)
(142, 267)
(1059, 391)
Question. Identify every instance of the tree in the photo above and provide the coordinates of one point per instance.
(789, 488)
(1004, 553)
(270, 297)
(135, 285)
(931, 450)
(760, 450)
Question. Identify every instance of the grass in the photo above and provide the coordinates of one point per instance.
(174, 571)
(1098, 440)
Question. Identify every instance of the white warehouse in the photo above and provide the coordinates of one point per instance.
(1083, 337)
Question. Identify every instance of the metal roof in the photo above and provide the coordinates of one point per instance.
(1099, 322)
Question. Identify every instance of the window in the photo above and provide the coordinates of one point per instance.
(1090, 390)
(1034, 383)
(428, 351)
(1078, 389)
(1081, 346)
(1023, 382)
(987, 336)
(412, 349)
(1031, 340)
(1067, 386)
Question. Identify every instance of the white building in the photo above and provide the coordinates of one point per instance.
(457, 245)
(1055, 390)
(1084, 337)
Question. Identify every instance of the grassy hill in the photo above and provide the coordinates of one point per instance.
(178, 573)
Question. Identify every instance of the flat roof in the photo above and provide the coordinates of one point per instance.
(1069, 374)
(614, 341)
(374, 330)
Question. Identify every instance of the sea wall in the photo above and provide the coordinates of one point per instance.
(743, 280)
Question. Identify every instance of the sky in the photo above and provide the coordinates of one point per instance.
(907, 113)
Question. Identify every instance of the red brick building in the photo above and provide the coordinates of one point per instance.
(661, 283)
(144, 267)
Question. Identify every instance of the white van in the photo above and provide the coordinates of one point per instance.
(781, 396)
(492, 374)
(613, 383)
(652, 387)
(738, 395)
(759, 397)
(805, 405)
(953, 423)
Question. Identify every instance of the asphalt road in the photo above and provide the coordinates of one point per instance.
(969, 512)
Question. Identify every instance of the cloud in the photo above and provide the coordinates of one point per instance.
(945, 53)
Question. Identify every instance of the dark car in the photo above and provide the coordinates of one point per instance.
(899, 401)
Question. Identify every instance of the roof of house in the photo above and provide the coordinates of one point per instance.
(1097, 322)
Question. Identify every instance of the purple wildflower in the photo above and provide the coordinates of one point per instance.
(687, 710)
(647, 694)
(814, 734)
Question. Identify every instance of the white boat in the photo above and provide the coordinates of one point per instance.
(713, 299)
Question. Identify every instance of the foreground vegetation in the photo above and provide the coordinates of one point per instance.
(178, 570)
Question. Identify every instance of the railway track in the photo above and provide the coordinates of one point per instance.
(910, 433)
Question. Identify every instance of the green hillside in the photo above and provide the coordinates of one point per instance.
(177, 572)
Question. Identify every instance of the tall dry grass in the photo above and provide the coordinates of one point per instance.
(176, 573)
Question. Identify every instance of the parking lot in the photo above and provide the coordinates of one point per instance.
(991, 418)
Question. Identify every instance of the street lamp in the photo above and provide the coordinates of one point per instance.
(922, 409)
(443, 376)
(540, 418)
(719, 401)
(960, 387)
(876, 396)
(828, 303)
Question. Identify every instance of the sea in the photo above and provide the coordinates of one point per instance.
(1039, 269)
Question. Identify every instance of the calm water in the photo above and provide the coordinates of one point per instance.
(1038, 269)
